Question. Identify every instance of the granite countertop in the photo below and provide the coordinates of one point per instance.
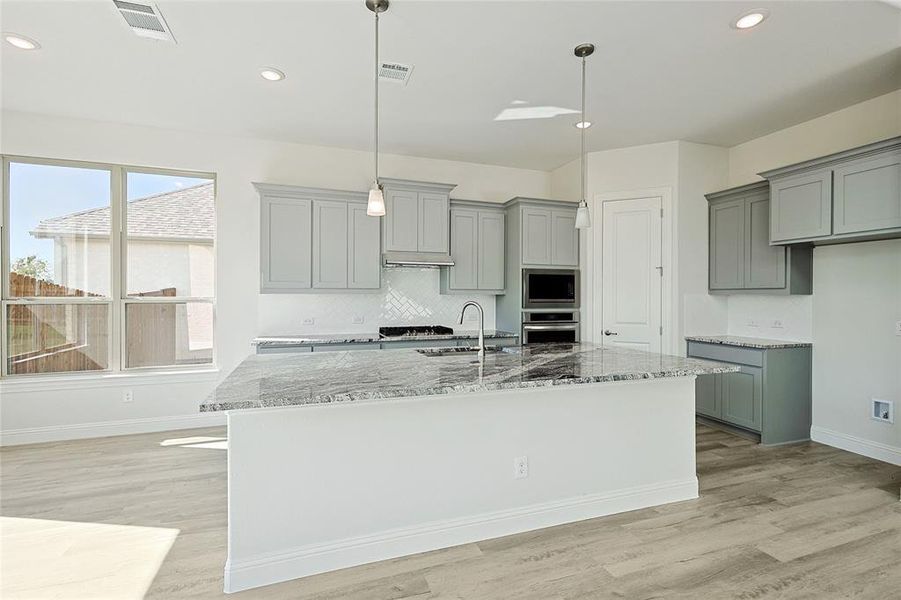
(271, 380)
(364, 338)
(747, 342)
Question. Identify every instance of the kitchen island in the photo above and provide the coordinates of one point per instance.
(343, 458)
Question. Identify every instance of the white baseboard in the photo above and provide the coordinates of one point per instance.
(57, 433)
(877, 450)
(309, 560)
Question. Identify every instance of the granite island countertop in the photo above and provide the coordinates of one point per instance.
(272, 380)
(366, 338)
(746, 342)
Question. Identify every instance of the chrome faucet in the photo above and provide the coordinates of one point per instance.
(481, 324)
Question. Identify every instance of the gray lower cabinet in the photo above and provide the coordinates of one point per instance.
(314, 239)
(741, 258)
(769, 395)
(477, 237)
(844, 197)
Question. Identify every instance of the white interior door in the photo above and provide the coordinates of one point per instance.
(631, 286)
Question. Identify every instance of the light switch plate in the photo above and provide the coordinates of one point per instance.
(357, 319)
(309, 321)
(777, 324)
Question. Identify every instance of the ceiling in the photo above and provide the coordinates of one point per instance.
(662, 71)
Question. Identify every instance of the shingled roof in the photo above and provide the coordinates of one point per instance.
(183, 214)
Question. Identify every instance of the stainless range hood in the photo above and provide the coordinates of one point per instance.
(417, 259)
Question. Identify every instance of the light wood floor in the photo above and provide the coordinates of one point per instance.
(804, 521)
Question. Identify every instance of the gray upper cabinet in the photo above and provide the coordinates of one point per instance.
(314, 239)
(491, 251)
(364, 267)
(416, 216)
(868, 194)
(801, 207)
(727, 245)
(844, 197)
(477, 245)
(536, 236)
(285, 250)
(402, 227)
(329, 244)
(549, 236)
(564, 239)
(741, 257)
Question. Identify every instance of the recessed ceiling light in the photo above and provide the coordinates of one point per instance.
(750, 19)
(270, 74)
(582, 124)
(20, 41)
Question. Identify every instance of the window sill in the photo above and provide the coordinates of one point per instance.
(52, 382)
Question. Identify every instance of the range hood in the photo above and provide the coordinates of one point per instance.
(417, 259)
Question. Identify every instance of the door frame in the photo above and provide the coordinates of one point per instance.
(594, 265)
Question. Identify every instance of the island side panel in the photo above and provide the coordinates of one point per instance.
(318, 488)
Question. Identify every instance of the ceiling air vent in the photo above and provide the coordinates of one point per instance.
(396, 72)
(145, 20)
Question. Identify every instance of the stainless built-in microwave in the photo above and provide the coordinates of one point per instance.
(550, 288)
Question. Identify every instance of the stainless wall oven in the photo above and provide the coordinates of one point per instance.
(550, 327)
(550, 288)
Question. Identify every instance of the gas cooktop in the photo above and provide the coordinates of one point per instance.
(414, 330)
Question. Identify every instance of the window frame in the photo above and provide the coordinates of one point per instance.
(118, 298)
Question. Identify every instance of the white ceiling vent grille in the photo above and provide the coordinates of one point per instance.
(145, 20)
(396, 72)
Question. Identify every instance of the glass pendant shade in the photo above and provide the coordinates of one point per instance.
(583, 219)
(376, 205)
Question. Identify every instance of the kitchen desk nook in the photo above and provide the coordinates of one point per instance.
(345, 458)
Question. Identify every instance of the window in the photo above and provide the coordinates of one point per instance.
(105, 267)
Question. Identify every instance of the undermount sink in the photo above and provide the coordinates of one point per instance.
(464, 350)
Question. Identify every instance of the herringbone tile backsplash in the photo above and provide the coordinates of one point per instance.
(407, 297)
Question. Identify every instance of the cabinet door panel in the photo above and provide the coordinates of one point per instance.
(433, 229)
(801, 207)
(329, 244)
(464, 249)
(868, 194)
(727, 232)
(707, 400)
(764, 264)
(491, 251)
(536, 236)
(742, 397)
(401, 221)
(564, 239)
(286, 245)
(363, 249)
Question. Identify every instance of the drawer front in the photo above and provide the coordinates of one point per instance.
(418, 344)
(350, 346)
(730, 354)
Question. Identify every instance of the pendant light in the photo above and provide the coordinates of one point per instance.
(583, 218)
(376, 205)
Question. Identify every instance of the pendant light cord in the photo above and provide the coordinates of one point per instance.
(376, 97)
(584, 124)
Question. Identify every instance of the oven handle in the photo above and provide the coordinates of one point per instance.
(569, 327)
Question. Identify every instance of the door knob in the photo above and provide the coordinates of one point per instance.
(608, 332)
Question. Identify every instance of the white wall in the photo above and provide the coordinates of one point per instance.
(857, 355)
(237, 162)
(865, 304)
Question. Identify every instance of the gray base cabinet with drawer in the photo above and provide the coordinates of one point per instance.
(769, 395)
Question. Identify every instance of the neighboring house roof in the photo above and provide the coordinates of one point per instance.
(183, 214)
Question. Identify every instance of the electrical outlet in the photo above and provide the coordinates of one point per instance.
(520, 467)
(777, 324)
(128, 396)
(897, 327)
(309, 321)
(752, 323)
(357, 320)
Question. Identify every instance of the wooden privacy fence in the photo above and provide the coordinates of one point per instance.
(50, 338)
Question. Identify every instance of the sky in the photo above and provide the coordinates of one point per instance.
(38, 192)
